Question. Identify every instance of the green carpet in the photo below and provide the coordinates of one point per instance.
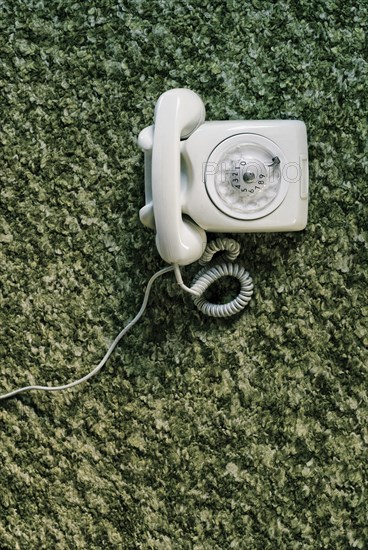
(246, 433)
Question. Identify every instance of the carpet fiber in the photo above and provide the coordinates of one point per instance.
(199, 433)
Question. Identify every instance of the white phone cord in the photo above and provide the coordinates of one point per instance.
(209, 275)
(109, 351)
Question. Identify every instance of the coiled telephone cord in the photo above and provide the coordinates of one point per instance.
(210, 274)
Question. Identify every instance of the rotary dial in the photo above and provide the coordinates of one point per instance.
(249, 178)
(244, 176)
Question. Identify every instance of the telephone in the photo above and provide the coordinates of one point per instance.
(234, 176)
(231, 176)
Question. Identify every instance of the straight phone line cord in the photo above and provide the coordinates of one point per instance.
(107, 354)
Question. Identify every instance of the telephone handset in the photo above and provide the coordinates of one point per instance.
(178, 114)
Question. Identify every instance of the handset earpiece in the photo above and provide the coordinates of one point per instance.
(178, 113)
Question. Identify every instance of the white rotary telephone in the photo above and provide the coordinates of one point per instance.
(232, 176)
(222, 176)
